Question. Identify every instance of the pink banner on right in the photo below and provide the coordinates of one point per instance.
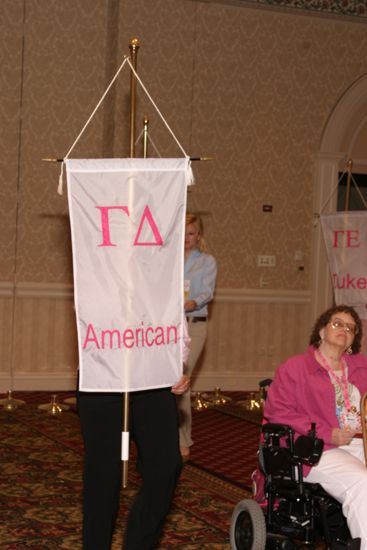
(345, 235)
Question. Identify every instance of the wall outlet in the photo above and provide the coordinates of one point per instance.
(264, 281)
(265, 261)
(298, 256)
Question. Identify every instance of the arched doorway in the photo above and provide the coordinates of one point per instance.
(344, 137)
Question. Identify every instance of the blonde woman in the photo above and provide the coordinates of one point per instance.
(200, 276)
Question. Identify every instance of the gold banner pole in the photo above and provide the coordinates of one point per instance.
(145, 137)
(134, 46)
(347, 192)
(62, 160)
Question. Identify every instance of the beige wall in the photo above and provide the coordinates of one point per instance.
(254, 88)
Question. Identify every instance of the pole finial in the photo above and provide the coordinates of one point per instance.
(134, 43)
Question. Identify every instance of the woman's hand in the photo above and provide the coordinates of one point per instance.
(341, 437)
(182, 385)
(190, 305)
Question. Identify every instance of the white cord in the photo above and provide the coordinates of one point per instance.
(156, 107)
(60, 186)
(151, 141)
(126, 59)
(317, 216)
(359, 192)
(332, 194)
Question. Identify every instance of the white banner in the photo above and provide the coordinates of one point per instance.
(345, 235)
(127, 222)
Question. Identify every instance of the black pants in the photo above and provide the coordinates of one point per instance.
(154, 428)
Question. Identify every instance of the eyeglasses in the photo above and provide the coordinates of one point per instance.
(348, 327)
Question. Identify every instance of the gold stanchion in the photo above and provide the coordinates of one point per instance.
(218, 398)
(200, 404)
(53, 408)
(256, 400)
(252, 403)
(9, 403)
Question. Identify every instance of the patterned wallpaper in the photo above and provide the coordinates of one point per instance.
(263, 85)
(11, 73)
(252, 88)
(356, 8)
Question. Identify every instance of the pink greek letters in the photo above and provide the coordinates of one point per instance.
(146, 218)
(147, 215)
(106, 222)
(346, 239)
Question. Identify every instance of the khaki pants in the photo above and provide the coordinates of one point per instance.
(197, 333)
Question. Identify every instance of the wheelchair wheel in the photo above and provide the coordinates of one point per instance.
(248, 529)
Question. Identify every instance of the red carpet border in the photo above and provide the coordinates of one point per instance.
(225, 446)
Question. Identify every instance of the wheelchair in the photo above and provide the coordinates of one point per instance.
(291, 513)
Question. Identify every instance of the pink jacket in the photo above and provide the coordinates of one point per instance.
(302, 392)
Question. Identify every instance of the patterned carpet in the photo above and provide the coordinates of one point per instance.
(40, 480)
(225, 446)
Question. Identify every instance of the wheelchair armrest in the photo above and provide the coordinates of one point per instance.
(265, 383)
(278, 430)
(279, 453)
(308, 449)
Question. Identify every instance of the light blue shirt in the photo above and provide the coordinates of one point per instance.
(201, 271)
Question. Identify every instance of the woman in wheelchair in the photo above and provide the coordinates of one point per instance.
(324, 386)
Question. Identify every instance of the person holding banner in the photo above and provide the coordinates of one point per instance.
(127, 221)
(324, 386)
(154, 429)
(200, 274)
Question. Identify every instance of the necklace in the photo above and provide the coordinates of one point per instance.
(341, 381)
